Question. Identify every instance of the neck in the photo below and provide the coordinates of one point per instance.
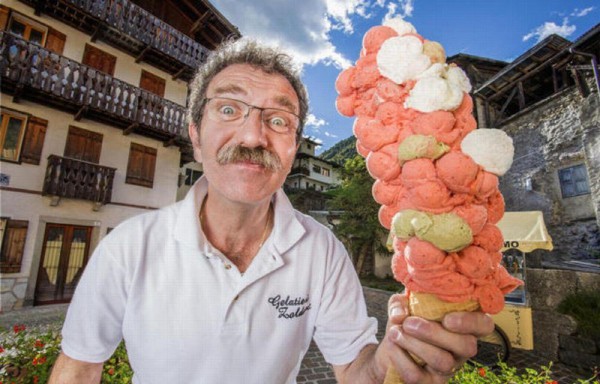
(238, 231)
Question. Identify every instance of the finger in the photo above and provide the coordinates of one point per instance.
(474, 323)
(461, 346)
(439, 360)
(397, 309)
(402, 362)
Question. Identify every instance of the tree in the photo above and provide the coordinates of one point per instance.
(358, 225)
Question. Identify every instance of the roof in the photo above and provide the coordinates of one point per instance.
(302, 155)
(523, 65)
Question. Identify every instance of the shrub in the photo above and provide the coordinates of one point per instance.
(27, 356)
(584, 307)
(474, 374)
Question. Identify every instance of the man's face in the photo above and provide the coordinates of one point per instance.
(237, 180)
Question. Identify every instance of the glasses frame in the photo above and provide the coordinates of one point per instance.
(261, 109)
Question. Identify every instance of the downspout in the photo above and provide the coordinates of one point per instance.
(594, 66)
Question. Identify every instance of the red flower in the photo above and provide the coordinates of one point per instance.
(42, 360)
(111, 371)
(481, 372)
(1, 350)
(18, 328)
(36, 379)
(552, 382)
(35, 361)
(39, 343)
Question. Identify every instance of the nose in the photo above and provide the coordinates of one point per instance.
(252, 132)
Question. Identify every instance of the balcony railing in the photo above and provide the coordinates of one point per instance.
(130, 27)
(78, 179)
(28, 69)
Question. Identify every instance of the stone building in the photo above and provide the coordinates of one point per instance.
(93, 127)
(310, 171)
(547, 100)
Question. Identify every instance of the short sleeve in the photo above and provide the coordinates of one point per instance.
(343, 327)
(93, 326)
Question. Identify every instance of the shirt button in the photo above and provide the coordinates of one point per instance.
(227, 266)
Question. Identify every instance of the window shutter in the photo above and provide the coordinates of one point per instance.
(141, 165)
(3, 17)
(83, 145)
(98, 59)
(152, 83)
(33, 142)
(55, 41)
(13, 246)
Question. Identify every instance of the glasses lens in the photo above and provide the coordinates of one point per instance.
(279, 120)
(222, 109)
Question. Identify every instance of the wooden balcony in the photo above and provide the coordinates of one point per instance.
(130, 28)
(30, 71)
(78, 179)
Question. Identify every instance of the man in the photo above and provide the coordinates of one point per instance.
(231, 284)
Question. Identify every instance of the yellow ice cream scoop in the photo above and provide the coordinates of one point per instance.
(419, 146)
(447, 231)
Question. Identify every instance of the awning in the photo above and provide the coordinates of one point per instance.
(525, 231)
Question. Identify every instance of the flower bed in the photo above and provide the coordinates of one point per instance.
(27, 356)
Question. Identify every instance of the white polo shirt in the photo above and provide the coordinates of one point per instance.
(187, 314)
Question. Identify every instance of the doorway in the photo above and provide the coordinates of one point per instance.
(65, 253)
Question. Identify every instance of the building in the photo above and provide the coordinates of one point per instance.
(548, 101)
(93, 127)
(310, 171)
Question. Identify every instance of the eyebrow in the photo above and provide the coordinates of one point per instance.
(230, 88)
(286, 102)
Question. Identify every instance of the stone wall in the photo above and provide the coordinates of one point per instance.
(558, 132)
(554, 334)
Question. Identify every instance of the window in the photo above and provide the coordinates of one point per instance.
(152, 83)
(316, 169)
(28, 29)
(191, 176)
(83, 145)
(325, 172)
(31, 30)
(97, 58)
(12, 131)
(14, 233)
(141, 165)
(573, 181)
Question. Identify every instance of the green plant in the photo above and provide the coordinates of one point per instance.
(27, 356)
(584, 307)
(386, 284)
(474, 374)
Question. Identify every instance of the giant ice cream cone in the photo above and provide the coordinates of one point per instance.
(436, 175)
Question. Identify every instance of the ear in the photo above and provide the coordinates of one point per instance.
(195, 138)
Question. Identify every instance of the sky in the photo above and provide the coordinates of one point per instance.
(325, 36)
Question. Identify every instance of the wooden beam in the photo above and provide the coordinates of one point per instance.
(82, 112)
(178, 74)
(202, 20)
(18, 93)
(521, 95)
(581, 85)
(508, 100)
(130, 129)
(169, 142)
(98, 33)
(140, 57)
(554, 79)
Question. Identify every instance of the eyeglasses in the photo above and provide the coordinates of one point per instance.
(228, 110)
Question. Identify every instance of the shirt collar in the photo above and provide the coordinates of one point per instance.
(287, 229)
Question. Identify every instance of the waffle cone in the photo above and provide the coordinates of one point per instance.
(429, 307)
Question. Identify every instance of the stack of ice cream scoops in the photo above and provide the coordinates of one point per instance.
(436, 175)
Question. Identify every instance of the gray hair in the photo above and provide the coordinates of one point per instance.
(268, 60)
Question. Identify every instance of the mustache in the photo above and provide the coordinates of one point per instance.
(260, 156)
